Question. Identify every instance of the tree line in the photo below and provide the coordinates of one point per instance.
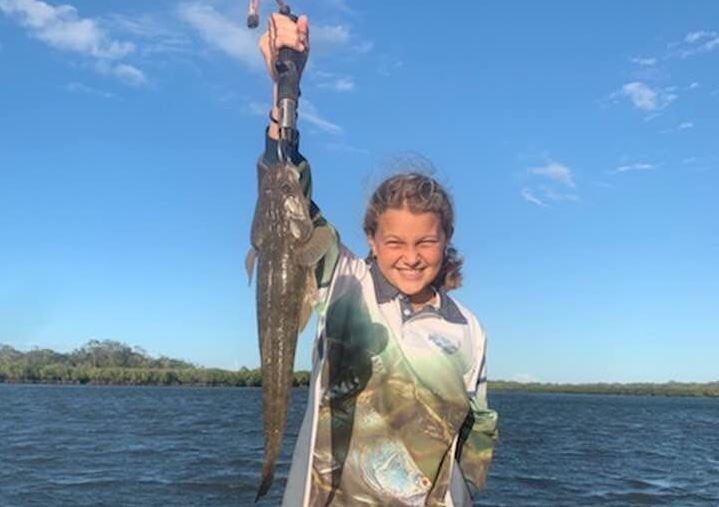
(110, 362)
(637, 388)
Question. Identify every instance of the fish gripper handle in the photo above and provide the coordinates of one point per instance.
(289, 66)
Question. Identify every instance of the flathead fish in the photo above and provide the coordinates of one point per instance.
(286, 247)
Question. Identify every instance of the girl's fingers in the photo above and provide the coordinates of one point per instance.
(290, 39)
(286, 33)
(267, 53)
(272, 32)
(303, 29)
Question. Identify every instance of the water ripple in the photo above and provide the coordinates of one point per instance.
(147, 446)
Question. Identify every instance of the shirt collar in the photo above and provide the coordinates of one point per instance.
(386, 292)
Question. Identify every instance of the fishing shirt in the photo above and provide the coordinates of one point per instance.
(397, 412)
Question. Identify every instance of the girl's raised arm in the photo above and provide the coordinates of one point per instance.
(284, 32)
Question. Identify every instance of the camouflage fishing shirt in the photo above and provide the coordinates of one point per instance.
(397, 412)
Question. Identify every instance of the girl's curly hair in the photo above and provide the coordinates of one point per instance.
(421, 194)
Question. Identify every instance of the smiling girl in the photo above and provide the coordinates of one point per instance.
(397, 411)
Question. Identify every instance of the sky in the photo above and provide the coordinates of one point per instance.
(575, 138)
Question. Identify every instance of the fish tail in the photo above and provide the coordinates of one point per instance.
(272, 447)
(275, 391)
(268, 474)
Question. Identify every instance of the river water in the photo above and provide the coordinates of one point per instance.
(168, 446)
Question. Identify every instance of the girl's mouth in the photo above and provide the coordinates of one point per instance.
(411, 274)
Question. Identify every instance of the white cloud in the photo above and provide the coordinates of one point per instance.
(682, 126)
(343, 84)
(557, 178)
(648, 99)
(223, 33)
(143, 26)
(62, 28)
(329, 35)
(309, 113)
(556, 172)
(331, 81)
(530, 197)
(701, 41)
(127, 73)
(641, 95)
(158, 36)
(637, 166)
(694, 37)
(326, 38)
(75, 87)
(668, 98)
(647, 62)
(694, 85)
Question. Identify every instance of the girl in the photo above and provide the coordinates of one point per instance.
(397, 411)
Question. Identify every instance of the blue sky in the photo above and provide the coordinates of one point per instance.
(576, 139)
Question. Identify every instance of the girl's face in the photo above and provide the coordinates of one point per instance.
(409, 248)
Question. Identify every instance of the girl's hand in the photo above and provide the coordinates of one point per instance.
(283, 32)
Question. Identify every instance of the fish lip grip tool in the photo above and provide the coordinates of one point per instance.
(289, 69)
(253, 12)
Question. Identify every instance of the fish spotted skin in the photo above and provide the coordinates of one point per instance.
(282, 233)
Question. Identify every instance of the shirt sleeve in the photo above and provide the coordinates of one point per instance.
(478, 435)
(326, 266)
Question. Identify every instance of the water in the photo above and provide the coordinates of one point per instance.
(585, 450)
(165, 446)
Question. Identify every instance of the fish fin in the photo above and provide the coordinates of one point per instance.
(308, 301)
(295, 229)
(311, 252)
(250, 263)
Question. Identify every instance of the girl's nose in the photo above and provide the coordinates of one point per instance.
(411, 257)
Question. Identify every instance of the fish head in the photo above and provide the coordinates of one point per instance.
(281, 184)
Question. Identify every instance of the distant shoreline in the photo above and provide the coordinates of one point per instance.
(113, 363)
(669, 389)
(695, 389)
